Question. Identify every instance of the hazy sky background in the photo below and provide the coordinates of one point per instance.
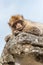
(30, 9)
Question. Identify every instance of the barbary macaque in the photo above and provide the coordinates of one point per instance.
(18, 23)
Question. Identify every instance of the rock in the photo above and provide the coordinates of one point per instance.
(1, 61)
(21, 47)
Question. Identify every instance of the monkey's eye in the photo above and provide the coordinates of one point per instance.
(19, 21)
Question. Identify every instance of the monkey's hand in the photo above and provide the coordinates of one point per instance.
(16, 32)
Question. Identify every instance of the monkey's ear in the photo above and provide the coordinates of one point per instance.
(10, 24)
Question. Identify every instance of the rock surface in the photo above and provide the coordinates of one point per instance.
(1, 61)
(25, 48)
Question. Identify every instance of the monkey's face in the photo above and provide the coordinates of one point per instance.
(18, 26)
(16, 23)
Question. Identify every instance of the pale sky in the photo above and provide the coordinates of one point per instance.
(30, 9)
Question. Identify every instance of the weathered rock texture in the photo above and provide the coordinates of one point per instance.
(1, 61)
(25, 48)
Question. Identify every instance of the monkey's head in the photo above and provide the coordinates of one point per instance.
(16, 22)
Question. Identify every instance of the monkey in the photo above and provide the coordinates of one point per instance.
(18, 23)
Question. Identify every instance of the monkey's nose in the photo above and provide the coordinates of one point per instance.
(19, 26)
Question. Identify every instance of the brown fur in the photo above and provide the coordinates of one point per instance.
(14, 19)
(18, 23)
